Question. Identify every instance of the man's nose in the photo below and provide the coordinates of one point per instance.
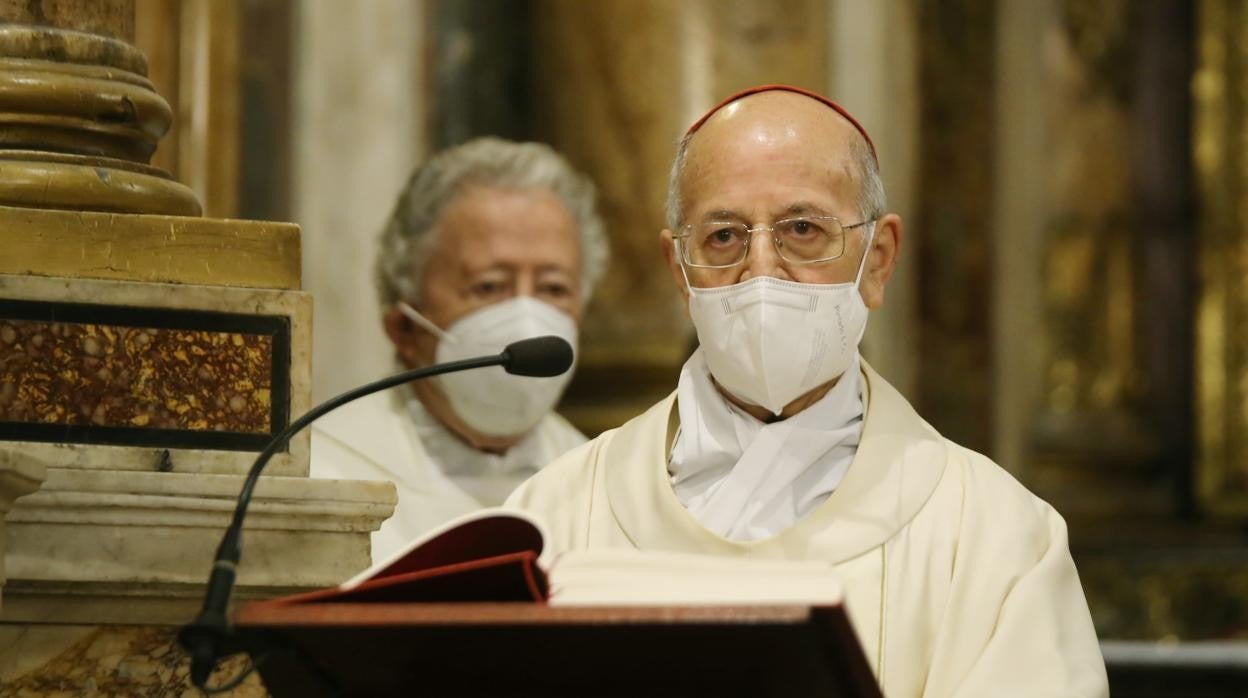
(762, 258)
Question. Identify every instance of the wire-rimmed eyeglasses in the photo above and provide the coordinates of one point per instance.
(798, 240)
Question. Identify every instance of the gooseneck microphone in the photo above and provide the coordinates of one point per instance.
(540, 357)
(205, 637)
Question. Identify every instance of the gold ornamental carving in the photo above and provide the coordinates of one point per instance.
(1220, 144)
(1094, 383)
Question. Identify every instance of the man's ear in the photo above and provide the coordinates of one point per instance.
(403, 334)
(668, 245)
(881, 260)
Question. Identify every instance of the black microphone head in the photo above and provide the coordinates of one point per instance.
(539, 357)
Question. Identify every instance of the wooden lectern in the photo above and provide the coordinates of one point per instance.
(527, 649)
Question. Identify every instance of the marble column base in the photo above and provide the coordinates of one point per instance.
(126, 547)
(16, 480)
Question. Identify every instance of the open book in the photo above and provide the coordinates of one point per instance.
(500, 555)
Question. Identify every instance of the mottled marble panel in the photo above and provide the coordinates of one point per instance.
(113, 375)
(132, 661)
(190, 311)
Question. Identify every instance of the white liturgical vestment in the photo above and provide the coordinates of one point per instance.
(389, 436)
(745, 479)
(959, 582)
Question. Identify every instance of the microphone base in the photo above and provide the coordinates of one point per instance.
(207, 640)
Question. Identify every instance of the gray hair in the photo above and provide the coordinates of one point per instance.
(408, 241)
(871, 199)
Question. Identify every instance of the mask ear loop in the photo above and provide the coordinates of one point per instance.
(867, 253)
(412, 314)
(680, 259)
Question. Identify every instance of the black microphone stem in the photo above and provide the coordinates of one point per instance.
(332, 404)
(202, 638)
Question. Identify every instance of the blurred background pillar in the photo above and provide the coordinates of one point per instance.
(225, 66)
(1220, 90)
(359, 130)
(1018, 217)
(954, 240)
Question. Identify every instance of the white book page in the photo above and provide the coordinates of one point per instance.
(636, 578)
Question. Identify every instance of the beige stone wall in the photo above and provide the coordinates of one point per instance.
(358, 132)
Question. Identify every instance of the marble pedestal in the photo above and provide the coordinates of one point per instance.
(144, 362)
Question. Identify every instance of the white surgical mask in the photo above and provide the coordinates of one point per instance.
(768, 341)
(490, 400)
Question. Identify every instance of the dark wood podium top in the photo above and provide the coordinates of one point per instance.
(525, 649)
(421, 614)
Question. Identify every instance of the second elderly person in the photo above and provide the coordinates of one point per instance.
(490, 242)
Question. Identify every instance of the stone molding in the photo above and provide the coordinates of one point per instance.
(128, 547)
(16, 480)
(162, 249)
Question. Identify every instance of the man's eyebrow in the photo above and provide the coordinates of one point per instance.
(804, 207)
(722, 214)
(468, 267)
(794, 209)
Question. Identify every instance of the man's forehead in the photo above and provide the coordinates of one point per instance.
(490, 220)
(788, 132)
(758, 98)
(772, 118)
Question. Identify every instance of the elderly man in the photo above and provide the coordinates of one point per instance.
(490, 242)
(780, 442)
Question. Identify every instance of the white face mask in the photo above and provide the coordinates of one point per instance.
(490, 400)
(768, 341)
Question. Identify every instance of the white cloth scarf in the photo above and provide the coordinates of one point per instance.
(748, 480)
(487, 477)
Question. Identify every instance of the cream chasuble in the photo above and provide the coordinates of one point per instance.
(958, 580)
(381, 437)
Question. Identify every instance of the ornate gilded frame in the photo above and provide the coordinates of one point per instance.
(1220, 146)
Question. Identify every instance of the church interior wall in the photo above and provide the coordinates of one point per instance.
(1071, 294)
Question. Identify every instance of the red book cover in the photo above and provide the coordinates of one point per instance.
(487, 556)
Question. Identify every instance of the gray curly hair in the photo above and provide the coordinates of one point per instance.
(407, 241)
